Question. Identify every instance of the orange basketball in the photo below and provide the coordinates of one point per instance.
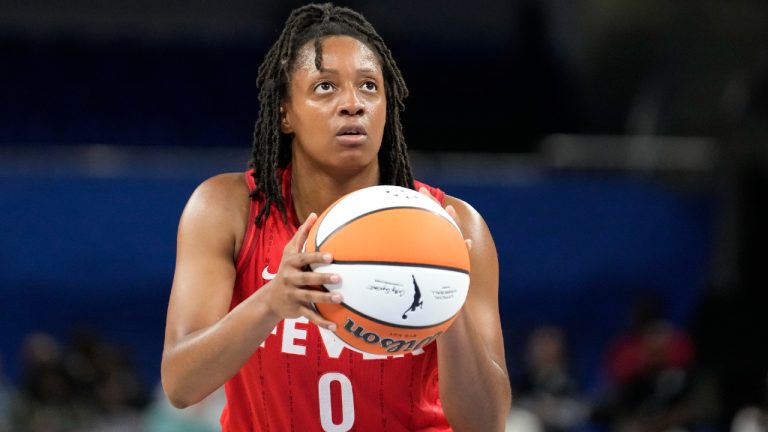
(403, 264)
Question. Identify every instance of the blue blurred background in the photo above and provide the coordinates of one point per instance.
(617, 150)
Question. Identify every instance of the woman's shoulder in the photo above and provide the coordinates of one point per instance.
(222, 191)
(226, 184)
(221, 202)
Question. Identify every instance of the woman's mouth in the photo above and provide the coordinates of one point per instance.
(351, 134)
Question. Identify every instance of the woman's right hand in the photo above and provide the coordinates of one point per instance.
(292, 292)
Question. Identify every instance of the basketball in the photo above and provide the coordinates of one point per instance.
(403, 264)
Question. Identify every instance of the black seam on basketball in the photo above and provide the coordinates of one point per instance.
(402, 264)
(390, 324)
(317, 246)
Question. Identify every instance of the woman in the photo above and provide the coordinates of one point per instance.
(240, 314)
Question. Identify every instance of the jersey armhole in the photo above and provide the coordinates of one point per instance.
(246, 249)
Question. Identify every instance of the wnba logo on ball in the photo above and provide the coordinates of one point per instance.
(390, 345)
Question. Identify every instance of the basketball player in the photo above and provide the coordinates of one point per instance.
(240, 314)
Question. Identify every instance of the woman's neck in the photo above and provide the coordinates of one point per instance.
(313, 189)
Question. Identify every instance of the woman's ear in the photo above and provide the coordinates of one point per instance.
(285, 124)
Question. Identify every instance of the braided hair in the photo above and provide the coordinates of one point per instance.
(271, 147)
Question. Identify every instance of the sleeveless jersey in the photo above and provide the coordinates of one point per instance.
(302, 378)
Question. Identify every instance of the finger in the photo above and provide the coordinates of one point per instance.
(303, 232)
(309, 278)
(449, 208)
(316, 318)
(309, 296)
(452, 212)
(423, 190)
(301, 260)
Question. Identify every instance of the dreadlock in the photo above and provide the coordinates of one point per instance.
(271, 147)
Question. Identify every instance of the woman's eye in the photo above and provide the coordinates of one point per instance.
(370, 86)
(324, 87)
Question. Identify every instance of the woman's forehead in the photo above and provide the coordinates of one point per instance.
(337, 50)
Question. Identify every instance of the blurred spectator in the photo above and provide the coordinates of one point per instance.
(752, 418)
(547, 389)
(649, 374)
(103, 375)
(45, 400)
(106, 381)
(91, 387)
(521, 420)
(5, 403)
(202, 417)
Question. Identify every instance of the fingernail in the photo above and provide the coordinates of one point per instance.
(327, 257)
(331, 327)
(335, 279)
(336, 298)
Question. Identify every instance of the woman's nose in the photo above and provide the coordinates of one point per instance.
(351, 104)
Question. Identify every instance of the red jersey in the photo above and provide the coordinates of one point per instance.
(302, 378)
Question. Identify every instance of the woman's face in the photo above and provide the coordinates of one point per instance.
(336, 114)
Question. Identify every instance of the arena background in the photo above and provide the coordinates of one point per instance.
(617, 150)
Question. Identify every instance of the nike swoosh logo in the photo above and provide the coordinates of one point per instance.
(266, 275)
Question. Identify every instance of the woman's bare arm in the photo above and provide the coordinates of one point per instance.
(205, 343)
(474, 384)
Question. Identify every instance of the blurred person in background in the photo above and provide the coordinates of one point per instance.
(105, 373)
(522, 420)
(90, 387)
(649, 374)
(201, 417)
(752, 418)
(5, 402)
(547, 388)
(105, 380)
(45, 401)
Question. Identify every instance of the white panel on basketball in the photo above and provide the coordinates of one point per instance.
(387, 292)
(375, 198)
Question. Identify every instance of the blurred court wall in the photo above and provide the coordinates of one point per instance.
(92, 244)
